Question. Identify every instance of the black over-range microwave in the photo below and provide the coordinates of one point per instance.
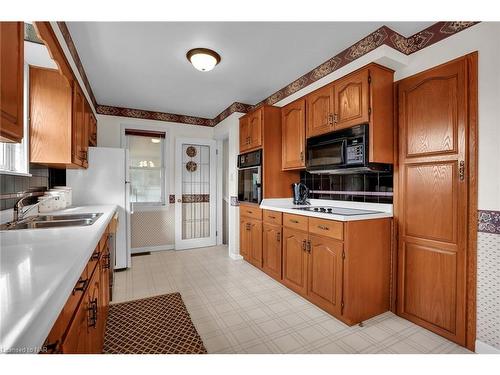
(342, 152)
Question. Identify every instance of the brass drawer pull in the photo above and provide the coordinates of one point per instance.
(323, 227)
(249, 212)
(81, 285)
(304, 245)
(96, 255)
(294, 221)
(278, 237)
(272, 217)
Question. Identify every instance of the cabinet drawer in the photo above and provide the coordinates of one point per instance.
(251, 211)
(295, 221)
(272, 217)
(328, 228)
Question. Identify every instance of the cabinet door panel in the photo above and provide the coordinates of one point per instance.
(77, 338)
(96, 326)
(78, 126)
(295, 260)
(293, 126)
(271, 250)
(325, 273)
(244, 238)
(255, 121)
(244, 134)
(319, 111)
(11, 81)
(256, 243)
(352, 100)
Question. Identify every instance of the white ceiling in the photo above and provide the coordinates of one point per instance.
(143, 64)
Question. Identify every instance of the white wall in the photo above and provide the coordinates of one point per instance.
(229, 128)
(159, 219)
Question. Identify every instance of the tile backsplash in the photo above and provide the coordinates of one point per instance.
(363, 187)
(40, 176)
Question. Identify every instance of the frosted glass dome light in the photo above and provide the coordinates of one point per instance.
(203, 59)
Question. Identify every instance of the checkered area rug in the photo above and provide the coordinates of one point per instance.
(155, 325)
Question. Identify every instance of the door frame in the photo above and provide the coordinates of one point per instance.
(472, 197)
(181, 244)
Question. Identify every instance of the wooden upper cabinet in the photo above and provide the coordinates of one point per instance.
(255, 121)
(293, 131)
(351, 100)
(320, 111)
(58, 128)
(325, 273)
(92, 130)
(251, 130)
(11, 81)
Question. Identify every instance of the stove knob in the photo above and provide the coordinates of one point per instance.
(322, 209)
(329, 210)
(316, 209)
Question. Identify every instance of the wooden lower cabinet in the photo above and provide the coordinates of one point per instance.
(295, 260)
(79, 328)
(325, 266)
(342, 267)
(271, 250)
(251, 234)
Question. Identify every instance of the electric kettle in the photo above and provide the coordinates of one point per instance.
(300, 193)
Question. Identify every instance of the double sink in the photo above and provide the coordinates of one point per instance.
(53, 221)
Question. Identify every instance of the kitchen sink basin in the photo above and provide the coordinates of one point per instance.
(53, 221)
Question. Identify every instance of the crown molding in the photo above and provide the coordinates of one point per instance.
(382, 36)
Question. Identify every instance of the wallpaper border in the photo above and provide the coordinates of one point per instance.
(382, 36)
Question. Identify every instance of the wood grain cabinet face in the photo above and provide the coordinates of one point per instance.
(79, 139)
(271, 250)
(255, 243)
(320, 111)
(325, 273)
(293, 125)
(255, 121)
(433, 231)
(244, 134)
(351, 100)
(295, 260)
(244, 238)
(11, 81)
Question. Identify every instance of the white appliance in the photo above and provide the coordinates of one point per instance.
(105, 181)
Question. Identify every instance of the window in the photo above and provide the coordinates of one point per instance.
(14, 156)
(146, 166)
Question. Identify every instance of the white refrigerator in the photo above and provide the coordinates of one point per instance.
(105, 181)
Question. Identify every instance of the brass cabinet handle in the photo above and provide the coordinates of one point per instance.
(96, 255)
(335, 118)
(323, 227)
(304, 245)
(278, 237)
(330, 119)
(294, 221)
(301, 155)
(309, 247)
(249, 212)
(271, 217)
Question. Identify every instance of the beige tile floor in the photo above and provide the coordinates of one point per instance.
(238, 309)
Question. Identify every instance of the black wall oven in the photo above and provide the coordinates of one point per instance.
(342, 152)
(250, 177)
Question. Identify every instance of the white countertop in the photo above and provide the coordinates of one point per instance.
(38, 270)
(380, 210)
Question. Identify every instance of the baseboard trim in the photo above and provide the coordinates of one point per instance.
(235, 256)
(483, 348)
(151, 248)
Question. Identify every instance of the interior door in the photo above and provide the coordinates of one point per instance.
(195, 193)
(325, 273)
(433, 188)
(293, 126)
(295, 260)
(320, 111)
(352, 100)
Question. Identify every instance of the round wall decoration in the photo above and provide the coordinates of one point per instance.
(191, 151)
(191, 166)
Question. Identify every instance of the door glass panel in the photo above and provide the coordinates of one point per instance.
(195, 191)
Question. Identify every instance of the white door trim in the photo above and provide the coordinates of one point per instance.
(181, 244)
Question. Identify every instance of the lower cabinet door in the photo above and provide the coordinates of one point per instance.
(271, 250)
(325, 274)
(244, 238)
(104, 267)
(77, 338)
(295, 260)
(256, 243)
(95, 326)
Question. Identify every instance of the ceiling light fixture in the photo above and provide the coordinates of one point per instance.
(203, 59)
(155, 140)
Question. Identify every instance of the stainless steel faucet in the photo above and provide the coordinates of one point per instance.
(18, 207)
